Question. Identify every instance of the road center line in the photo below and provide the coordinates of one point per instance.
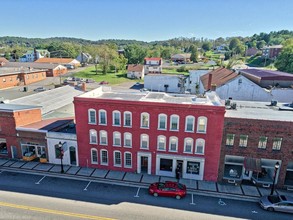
(40, 180)
(87, 186)
(137, 192)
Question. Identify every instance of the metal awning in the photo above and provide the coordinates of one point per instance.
(252, 164)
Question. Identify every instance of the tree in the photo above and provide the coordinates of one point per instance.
(135, 53)
(233, 43)
(107, 55)
(194, 54)
(206, 46)
(260, 44)
(284, 61)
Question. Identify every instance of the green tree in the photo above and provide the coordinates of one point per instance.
(206, 46)
(194, 54)
(135, 53)
(260, 44)
(284, 61)
(107, 56)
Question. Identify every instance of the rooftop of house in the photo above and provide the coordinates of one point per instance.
(5, 71)
(272, 47)
(16, 107)
(260, 111)
(152, 59)
(211, 98)
(219, 76)
(54, 60)
(268, 74)
(2, 59)
(33, 65)
(181, 55)
(134, 68)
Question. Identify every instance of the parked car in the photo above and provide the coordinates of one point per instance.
(279, 203)
(40, 89)
(168, 188)
(89, 81)
(144, 90)
(103, 83)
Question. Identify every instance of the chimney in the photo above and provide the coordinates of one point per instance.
(213, 87)
(83, 86)
(210, 81)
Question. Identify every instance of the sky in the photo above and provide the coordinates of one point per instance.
(143, 20)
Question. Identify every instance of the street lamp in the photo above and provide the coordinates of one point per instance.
(61, 155)
(277, 166)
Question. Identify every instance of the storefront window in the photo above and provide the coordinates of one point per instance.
(3, 148)
(166, 165)
(193, 167)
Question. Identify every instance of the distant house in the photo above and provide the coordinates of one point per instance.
(181, 58)
(84, 57)
(220, 48)
(33, 55)
(271, 52)
(135, 71)
(153, 65)
(3, 61)
(251, 51)
(68, 62)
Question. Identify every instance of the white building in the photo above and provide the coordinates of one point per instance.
(163, 82)
(33, 55)
(153, 65)
(135, 71)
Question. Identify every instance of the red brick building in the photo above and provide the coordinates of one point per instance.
(150, 133)
(12, 116)
(256, 136)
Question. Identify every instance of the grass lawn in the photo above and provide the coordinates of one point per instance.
(112, 77)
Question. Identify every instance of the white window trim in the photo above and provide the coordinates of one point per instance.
(148, 141)
(170, 144)
(174, 116)
(197, 127)
(101, 143)
(116, 132)
(124, 119)
(166, 122)
(141, 120)
(101, 159)
(193, 120)
(127, 166)
(191, 150)
(114, 158)
(102, 110)
(124, 139)
(196, 144)
(96, 134)
(93, 162)
(113, 121)
(89, 116)
(159, 137)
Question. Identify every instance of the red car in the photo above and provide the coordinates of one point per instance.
(170, 189)
(104, 83)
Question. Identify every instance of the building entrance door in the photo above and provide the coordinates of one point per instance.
(144, 164)
(72, 155)
(13, 151)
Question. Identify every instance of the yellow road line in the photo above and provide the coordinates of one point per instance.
(51, 211)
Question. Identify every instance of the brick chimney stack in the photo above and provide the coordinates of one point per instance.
(210, 81)
(83, 86)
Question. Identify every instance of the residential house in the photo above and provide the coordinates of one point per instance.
(271, 52)
(256, 136)
(84, 57)
(135, 71)
(251, 52)
(181, 58)
(150, 133)
(3, 61)
(153, 65)
(68, 62)
(33, 55)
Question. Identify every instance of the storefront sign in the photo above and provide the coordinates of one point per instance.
(193, 167)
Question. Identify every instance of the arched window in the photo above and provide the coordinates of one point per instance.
(104, 157)
(188, 145)
(174, 123)
(127, 159)
(103, 137)
(144, 141)
(189, 123)
(202, 124)
(93, 136)
(162, 122)
(92, 116)
(127, 139)
(127, 119)
(94, 156)
(199, 146)
(117, 158)
(117, 139)
(173, 144)
(161, 145)
(144, 120)
(102, 117)
(116, 118)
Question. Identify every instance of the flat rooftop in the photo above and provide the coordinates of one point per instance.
(259, 110)
(15, 70)
(102, 92)
(16, 107)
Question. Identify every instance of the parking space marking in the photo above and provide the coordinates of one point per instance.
(192, 203)
(221, 202)
(85, 189)
(137, 192)
(40, 180)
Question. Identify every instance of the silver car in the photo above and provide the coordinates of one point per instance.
(279, 203)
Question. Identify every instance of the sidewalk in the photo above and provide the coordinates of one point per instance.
(198, 187)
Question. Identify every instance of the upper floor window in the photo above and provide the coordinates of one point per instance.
(127, 159)
(173, 144)
(262, 143)
(243, 140)
(199, 146)
(116, 118)
(145, 120)
(103, 137)
(117, 159)
(162, 124)
(188, 145)
(277, 142)
(127, 139)
(104, 157)
(116, 139)
(102, 117)
(92, 116)
(202, 124)
(93, 137)
(161, 143)
(127, 119)
(94, 156)
(144, 141)
(189, 124)
(174, 123)
(230, 139)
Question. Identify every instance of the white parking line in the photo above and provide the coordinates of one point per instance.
(87, 186)
(137, 192)
(40, 180)
(192, 203)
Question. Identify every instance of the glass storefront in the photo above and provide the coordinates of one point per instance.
(166, 164)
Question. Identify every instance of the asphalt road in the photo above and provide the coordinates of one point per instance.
(30, 196)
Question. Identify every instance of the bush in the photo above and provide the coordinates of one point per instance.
(182, 69)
